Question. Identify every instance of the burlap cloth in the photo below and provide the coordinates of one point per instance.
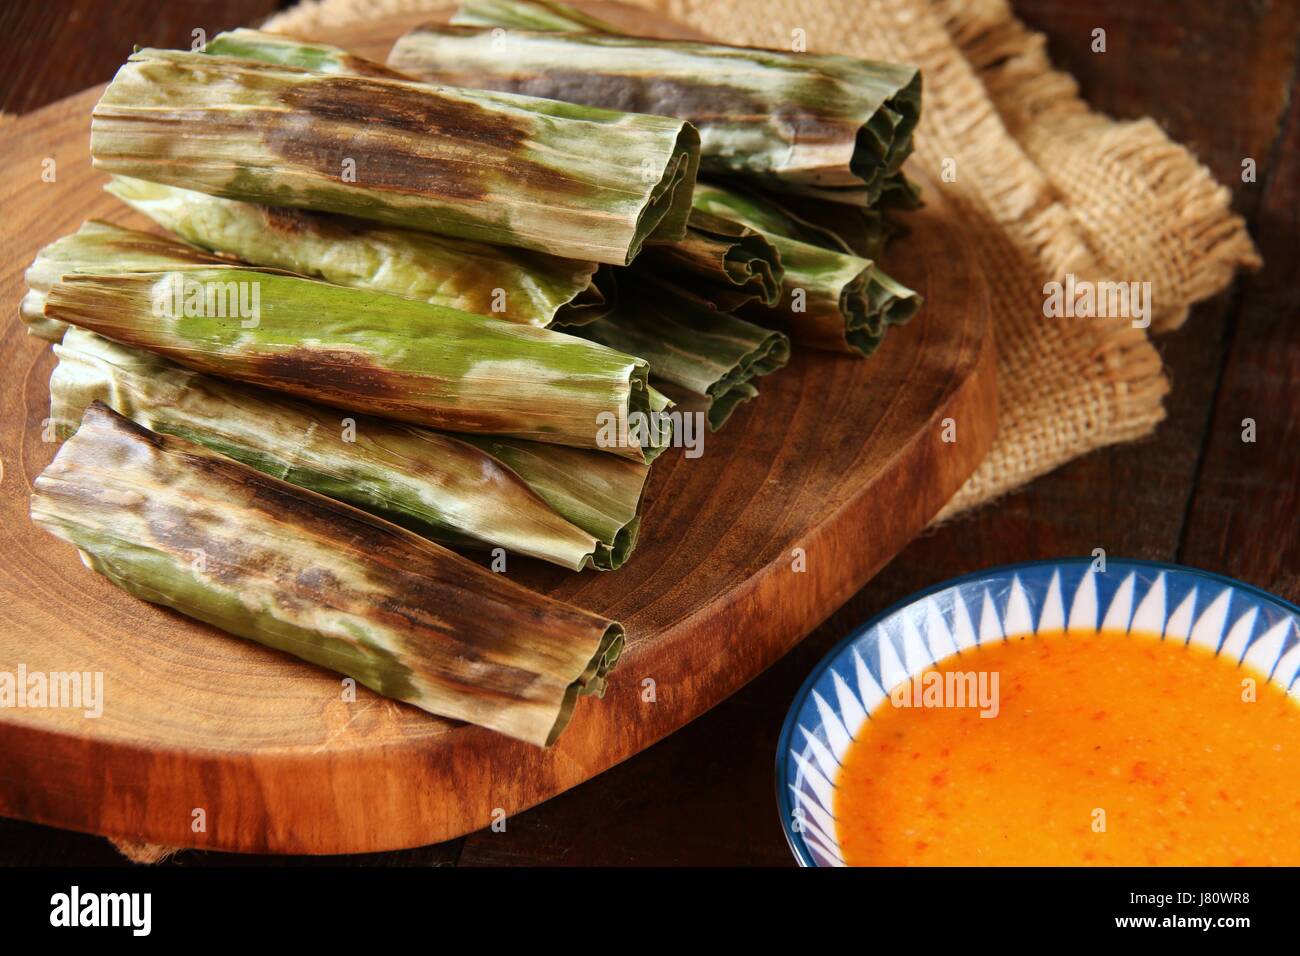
(1045, 187)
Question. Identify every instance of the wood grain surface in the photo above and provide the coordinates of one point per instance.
(1221, 77)
(841, 459)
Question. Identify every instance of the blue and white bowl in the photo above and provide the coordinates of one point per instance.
(1233, 619)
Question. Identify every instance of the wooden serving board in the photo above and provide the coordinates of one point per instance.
(840, 460)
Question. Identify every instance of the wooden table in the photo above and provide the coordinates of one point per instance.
(1222, 78)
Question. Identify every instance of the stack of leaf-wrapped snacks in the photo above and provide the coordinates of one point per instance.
(798, 126)
(832, 126)
(177, 524)
(833, 299)
(726, 262)
(369, 352)
(518, 285)
(474, 164)
(571, 507)
(458, 300)
(709, 357)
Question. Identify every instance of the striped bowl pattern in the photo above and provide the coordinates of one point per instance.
(1232, 619)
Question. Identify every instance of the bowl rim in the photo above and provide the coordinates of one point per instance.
(783, 803)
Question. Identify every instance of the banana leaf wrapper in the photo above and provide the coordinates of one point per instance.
(833, 125)
(491, 167)
(900, 193)
(831, 298)
(529, 15)
(377, 354)
(435, 484)
(94, 244)
(705, 359)
(863, 231)
(599, 493)
(248, 44)
(176, 524)
(517, 285)
(725, 262)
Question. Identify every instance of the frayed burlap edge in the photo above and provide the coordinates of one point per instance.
(1066, 387)
(1146, 205)
(144, 853)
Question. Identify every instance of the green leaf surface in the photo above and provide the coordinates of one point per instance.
(176, 524)
(491, 167)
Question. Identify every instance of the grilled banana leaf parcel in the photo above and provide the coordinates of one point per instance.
(492, 167)
(529, 15)
(863, 231)
(90, 248)
(832, 125)
(858, 230)
(725, 262)
(705, 359)
(517, 285)
(831, 299)
(599, 493)
(377, 354)
(438, 485)
(179, 525)
(291, 51)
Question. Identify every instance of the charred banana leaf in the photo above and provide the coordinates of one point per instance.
(725, 262)
(374, 353)
(832, 125)
(301, 54)
(90, 248)
(831, 298)
(860, 230)
(599, 493)
(706, 359)
(529, 15)
(572, 181)
(179, 525)
(517, 285)
(438, 485)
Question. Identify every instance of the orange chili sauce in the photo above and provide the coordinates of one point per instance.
(1154, 735)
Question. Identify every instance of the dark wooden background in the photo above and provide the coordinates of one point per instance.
(1220, 77)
